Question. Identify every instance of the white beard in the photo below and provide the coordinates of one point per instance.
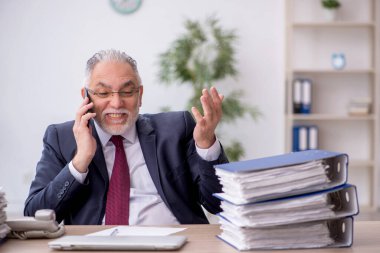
(119, 129)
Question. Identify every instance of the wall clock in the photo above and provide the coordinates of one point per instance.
(125, 6)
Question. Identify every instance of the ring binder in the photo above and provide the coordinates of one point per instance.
(294, 200)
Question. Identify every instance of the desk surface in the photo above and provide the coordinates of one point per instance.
(201, 238)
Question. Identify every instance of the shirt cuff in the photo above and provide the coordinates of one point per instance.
(210, 154)
(80, 177)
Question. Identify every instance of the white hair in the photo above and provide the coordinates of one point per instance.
(109, 55)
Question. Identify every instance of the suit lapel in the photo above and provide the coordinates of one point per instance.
(147, 138)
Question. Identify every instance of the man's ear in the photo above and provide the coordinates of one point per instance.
(82, 92)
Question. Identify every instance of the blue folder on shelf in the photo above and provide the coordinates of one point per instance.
(305, 137)
(282, 175)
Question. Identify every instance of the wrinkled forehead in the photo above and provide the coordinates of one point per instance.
(113, 74)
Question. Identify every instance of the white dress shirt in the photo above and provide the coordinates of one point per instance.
(146, 207)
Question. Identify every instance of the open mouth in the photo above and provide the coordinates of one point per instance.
(116, 117)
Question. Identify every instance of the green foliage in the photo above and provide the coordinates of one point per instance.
(234, 150)
(165, 109)
(196, 58)
(331, 4)
(200, 57)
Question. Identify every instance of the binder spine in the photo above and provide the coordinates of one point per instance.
(297, 100)
(296, 130)
(306, 96)
(313, 137)
(305, 138)
(302, 95)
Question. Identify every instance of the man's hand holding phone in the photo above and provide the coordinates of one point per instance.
(86, 143)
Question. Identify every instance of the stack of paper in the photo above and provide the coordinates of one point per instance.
(246, 187)
(315, 234)
(294, 200)
(359, 106)
(4, 229)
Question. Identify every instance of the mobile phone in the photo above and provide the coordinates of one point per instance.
(89, 99)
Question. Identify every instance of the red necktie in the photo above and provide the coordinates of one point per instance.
(117, 207)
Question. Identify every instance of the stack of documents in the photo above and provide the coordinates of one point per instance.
(4, 229)
(296, 200)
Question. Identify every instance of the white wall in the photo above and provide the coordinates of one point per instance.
(44, 45)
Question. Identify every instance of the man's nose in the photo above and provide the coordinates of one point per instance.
(115, 100)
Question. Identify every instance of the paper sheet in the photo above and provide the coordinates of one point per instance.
(137, 231)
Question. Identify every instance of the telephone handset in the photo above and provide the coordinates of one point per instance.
(89, 101)
(89, 98)
(42, 225)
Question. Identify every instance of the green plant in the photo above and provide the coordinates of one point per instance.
(331, 4)
(200, 57)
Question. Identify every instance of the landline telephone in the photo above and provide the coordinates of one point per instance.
(42, 225)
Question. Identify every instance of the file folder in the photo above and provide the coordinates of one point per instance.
(297, 102)
(317, 234)
(334, 203)
(282, 175)
(305, 137)
(302, 95)
(300, 138)
(306, 96)
(312, 137)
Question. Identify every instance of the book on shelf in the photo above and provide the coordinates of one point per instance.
(294, 200)
(359, 106)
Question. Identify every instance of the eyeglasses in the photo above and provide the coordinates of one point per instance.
(107, 94)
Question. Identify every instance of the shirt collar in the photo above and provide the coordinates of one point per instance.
(104, 137)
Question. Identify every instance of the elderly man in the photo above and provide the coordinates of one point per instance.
(114, 166)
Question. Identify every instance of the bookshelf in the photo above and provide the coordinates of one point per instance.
(311, 40)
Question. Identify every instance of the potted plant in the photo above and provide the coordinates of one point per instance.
(200, 58)
(330, 9)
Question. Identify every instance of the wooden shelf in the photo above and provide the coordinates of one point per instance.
(310, 45)
(361, 163)
(337, 24)
(333, 71)
(366, 210)
(315, 116)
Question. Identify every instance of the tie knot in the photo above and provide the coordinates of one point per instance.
(117, 140)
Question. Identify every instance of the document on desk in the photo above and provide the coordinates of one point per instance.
(137, 231)
(4, 229)
(123, 238)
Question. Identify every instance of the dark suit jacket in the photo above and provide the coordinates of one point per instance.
(183, 179)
